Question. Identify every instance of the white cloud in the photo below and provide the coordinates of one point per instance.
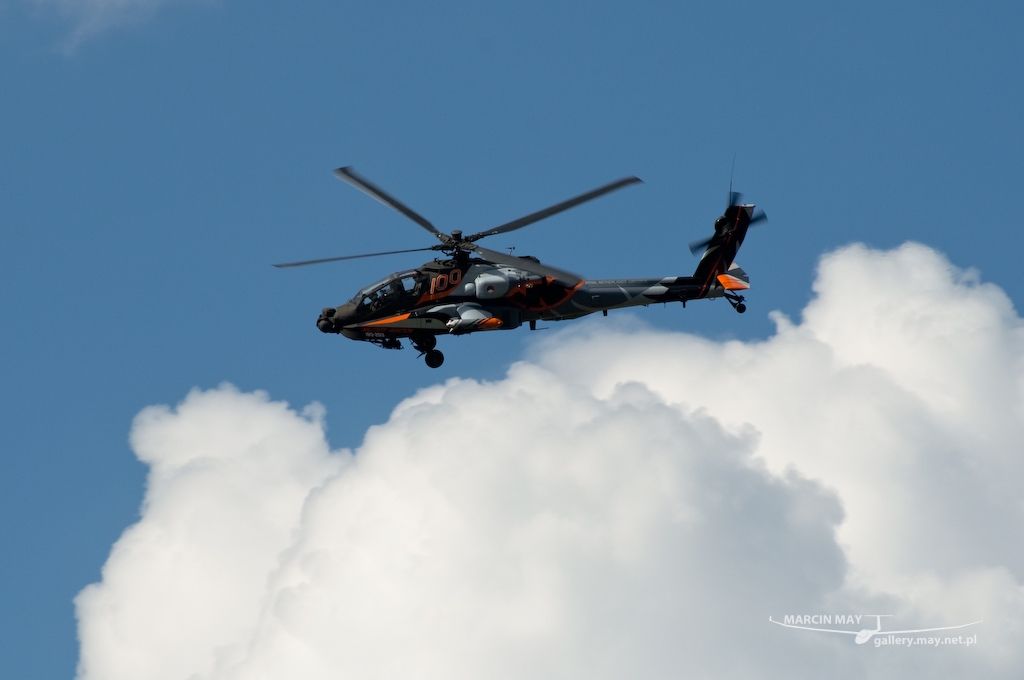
(624, 504)
(229, 474)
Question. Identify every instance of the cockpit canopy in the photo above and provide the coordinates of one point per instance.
(398, 287)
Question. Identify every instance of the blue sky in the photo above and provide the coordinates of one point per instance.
(152, 171)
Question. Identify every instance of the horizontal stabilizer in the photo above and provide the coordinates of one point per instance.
(734, 279)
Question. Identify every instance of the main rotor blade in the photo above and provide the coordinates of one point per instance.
(349, 257)
(555, 209)
(567, 278)
(346, 174)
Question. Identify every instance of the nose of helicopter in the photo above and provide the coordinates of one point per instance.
(332, 319)
(326, 321)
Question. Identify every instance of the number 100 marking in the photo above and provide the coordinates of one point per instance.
(442, 281)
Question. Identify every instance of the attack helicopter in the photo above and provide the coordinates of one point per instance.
(459, 294)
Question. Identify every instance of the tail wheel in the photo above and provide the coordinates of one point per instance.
(736, 301)
(434, 358)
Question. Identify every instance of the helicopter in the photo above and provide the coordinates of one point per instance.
(458, 294)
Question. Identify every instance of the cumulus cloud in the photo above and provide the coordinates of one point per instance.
(623, 504)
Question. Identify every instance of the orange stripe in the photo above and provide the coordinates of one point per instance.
(568, 295)
(387, 320)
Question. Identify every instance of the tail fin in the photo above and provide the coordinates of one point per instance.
(717, 260)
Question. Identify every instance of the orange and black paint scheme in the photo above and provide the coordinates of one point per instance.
(462, 294)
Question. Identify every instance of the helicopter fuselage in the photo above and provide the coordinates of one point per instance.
(452, 297)
(495, 291)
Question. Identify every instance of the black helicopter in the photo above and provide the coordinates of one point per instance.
(460, 294)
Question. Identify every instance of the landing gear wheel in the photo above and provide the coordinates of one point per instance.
(736, 301)
(434, 358)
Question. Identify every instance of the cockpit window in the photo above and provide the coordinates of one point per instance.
(393, 289)
(373, 287)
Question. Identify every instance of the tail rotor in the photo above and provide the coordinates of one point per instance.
(731, 219)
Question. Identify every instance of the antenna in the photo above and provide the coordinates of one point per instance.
(731, 171)
(734, 198)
